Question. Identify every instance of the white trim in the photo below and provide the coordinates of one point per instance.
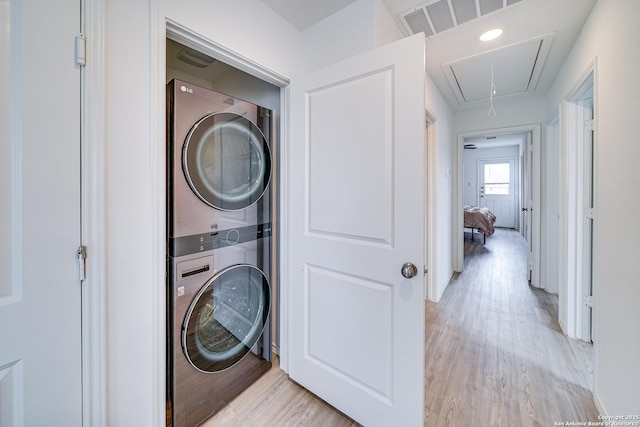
(599, 406)
(12, 383)
(157, 179)
(94, 321)
(551, 220)
(184, 35)
(17, 258)
(284, 196)
(535, 129)
(431, 235)
(595, 324)
(579, 89)
(535, 219)
(572, 115)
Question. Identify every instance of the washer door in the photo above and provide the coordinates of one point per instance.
(226, 161)
(226, 318)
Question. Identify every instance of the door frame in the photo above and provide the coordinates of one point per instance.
(573, 110)
(95, 323)
(431, 187)
(171, 28)
(551, 220)
(93, 216)
(459, 217)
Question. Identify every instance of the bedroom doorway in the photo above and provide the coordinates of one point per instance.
(480, 149)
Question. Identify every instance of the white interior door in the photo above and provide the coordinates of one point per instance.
(528, 205)
(498, 190)
(357, 215)
(40, 324)
(524, 179)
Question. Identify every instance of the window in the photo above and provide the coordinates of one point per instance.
(496, 179)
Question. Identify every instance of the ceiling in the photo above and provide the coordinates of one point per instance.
(496, 140)
(304, 13)
(538, 35)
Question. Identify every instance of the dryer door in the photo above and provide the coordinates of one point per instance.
(226, 318)
(226, 161)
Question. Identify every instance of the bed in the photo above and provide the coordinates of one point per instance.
(481, 219)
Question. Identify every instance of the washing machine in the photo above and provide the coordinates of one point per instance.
(219, 161)
(220, 315)
(219, 250)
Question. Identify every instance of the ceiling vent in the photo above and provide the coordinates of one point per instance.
(194, 58)
(436, 16)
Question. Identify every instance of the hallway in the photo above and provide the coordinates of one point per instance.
(495, 354)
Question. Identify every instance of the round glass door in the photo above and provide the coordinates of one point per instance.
(226, 161)
(226, 318)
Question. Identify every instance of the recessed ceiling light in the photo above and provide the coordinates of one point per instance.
(491, 34)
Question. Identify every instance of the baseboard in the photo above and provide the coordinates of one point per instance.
(563, 328)
(599, 405)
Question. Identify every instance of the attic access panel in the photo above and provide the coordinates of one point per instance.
(516, 70)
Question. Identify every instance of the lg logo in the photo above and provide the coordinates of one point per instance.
(186, 89)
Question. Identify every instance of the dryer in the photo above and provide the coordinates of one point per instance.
(219, 161)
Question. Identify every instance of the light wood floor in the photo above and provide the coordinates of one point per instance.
(495, 353)
(495, 356)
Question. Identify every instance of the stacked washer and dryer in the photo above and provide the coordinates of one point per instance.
(219, 249)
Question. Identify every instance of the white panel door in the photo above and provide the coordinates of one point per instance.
(528, 207)
(357, 215)
(40, 324)
(497, 190)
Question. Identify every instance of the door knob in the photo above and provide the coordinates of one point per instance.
(524, 209)
(409, 270)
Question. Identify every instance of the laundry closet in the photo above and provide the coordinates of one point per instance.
(222, 175)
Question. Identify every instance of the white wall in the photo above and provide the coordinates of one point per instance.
(386, 29)
(248, 28)
(130, 305)
(508, 113)
(550, 223)
(611, 34)
(442, 173)
(345, 33)
(361, 26)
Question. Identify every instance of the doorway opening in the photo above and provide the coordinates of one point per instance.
(498, 171)
(578, 199)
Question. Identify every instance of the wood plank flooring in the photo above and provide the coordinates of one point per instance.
(495, 356)
(275, 401)
(495, 353)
